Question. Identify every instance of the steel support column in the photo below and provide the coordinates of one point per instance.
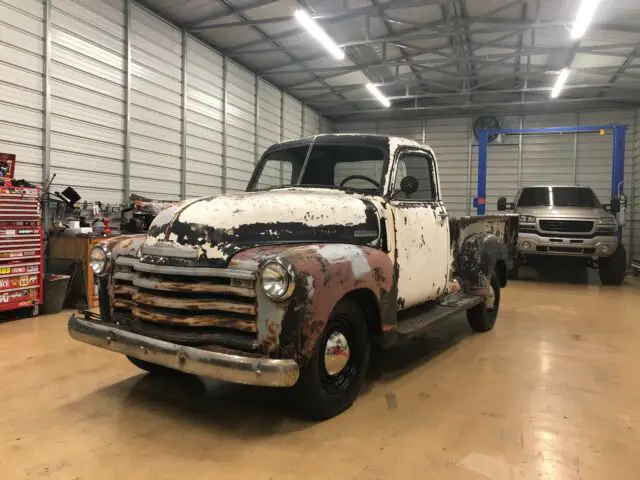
(126, 167)
(256, 120)
(469, 150)
(281, 132)
(223, 180)
(183, 131)
(46, 133)
(480, 201)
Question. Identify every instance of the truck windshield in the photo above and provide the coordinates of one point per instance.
(349, 167)
(558, 197)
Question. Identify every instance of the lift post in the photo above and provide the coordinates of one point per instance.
(617, 169)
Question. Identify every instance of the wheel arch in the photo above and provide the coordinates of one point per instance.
(369, 304)
(478, 255)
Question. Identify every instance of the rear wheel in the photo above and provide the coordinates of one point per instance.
(613, 269)
(152, 368)
(331, 379)
(483, 316)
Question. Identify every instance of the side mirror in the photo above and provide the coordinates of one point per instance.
(614, 206)
(409, 185)
(504, 205)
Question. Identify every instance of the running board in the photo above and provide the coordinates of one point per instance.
(416, 320)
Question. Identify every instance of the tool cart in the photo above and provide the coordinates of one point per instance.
(21, 249)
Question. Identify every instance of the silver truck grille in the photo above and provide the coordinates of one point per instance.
(566, 226)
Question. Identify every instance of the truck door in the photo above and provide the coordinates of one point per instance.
(421, 230)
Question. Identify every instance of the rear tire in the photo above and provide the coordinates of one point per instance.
(152, 368)
(321, 395)
(613, 269)
(479, 317)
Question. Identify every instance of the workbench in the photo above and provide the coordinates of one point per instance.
(78, 248)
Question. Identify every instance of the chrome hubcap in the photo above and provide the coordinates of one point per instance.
(336, 353)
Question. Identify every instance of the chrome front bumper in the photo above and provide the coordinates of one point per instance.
(534, 244)
(222, 366)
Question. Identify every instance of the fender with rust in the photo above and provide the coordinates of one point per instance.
(478, 254)
(324, 274)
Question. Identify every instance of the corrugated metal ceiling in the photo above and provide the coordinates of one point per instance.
(433, 57)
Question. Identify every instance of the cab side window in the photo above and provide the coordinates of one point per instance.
(421, 168)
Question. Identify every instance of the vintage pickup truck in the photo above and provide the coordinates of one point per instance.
(339, 241)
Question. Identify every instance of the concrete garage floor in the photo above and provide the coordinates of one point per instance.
(551, 393)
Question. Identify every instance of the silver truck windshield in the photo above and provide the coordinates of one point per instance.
(349, 167)
(558, 197)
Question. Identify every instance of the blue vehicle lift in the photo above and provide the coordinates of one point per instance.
(617, 171)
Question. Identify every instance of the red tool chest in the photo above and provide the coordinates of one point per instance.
(21, 249)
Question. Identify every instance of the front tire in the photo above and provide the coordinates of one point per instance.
(481, 318)
(613, 269)
(329, 383)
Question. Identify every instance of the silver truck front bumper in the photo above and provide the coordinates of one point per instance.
(223, 366)
(534, 244)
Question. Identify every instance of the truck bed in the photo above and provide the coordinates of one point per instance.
(467, 234)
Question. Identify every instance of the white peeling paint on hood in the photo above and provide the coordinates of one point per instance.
(312, 207)
(218, 227)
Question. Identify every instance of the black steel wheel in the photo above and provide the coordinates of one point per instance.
(483, 316)
(332, 378)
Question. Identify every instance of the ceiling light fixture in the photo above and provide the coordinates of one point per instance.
(378, 94)
(557, 88)
(583, 18)
(319, 34)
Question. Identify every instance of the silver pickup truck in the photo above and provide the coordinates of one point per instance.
(569, 221)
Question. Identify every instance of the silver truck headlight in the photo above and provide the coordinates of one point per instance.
(100, 260)
(527, 219)
(606, 221)
(277, 280)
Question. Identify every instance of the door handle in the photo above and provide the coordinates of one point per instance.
(443, 215)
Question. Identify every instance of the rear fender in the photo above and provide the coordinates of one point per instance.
(478, 255)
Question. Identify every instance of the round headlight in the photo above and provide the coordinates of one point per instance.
(100, 260)
(277, 281)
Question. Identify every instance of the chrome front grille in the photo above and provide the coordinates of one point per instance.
(566, 226)
(185, 299)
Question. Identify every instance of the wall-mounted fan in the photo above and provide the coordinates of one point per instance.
(486, 122)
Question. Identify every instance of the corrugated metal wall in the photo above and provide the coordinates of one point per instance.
(292, 118)
(21, 84)
(133, 104)
(635, 196)
(205, 99)
(156, 106)
(516, 161)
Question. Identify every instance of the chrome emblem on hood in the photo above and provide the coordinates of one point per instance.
(170, 249)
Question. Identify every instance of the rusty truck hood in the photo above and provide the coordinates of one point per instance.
(218, 227)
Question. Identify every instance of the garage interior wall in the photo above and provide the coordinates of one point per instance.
(515, 161)
(635, 195)
(113, 99)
